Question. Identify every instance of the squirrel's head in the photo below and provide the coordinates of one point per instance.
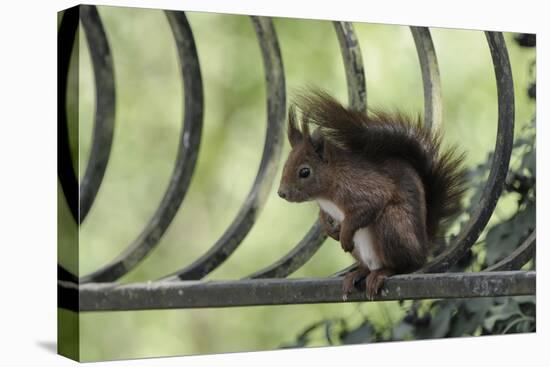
(304, 173)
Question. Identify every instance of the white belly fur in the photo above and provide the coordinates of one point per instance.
(331, 209)
(364, 242)
(362, 238)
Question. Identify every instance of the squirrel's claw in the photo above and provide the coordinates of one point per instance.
(354, 281)
(375, 281)
(331, 228)
(346, 240)
(347, 246)
(347, 286)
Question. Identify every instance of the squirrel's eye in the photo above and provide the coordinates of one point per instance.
(304, 172)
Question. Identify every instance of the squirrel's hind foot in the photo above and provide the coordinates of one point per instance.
(375, 281)
(354, 281)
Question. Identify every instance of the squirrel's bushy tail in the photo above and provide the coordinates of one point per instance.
(379, 135)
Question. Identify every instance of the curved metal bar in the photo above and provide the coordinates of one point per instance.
(66, 37)
(357, 96)
(243, 222)
(433, 100)
(353, 64)
(297, 257)
(518, 257)
(185, 161)
(344, 271)
(104, 111)
(499, 166)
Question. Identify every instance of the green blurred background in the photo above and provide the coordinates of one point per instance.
(148, 122)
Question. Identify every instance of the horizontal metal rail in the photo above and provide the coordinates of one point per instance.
(201, 294)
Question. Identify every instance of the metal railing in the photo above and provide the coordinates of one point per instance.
(184, 288)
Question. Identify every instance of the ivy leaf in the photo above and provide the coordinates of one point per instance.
(529, 161)
(478, 305)
(475, 199)
(331, 326)
(363, 334)
(402, 331)
(470, 316)
(525, 326)
(502, 312)
(504, 237)
(527, 305)
(521, 141)
(440, 321)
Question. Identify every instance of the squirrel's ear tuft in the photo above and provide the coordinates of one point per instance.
(318, 143)
(294, 134)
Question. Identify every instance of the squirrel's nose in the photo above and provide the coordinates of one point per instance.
(282, 193)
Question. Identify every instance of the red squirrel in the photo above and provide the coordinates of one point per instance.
(385, 187)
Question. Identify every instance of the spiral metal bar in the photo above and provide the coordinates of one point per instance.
(344, 271)
(66, 39)
(185, 161)
(499, 167)
(256, 198)
(357, 96)
(433, 100)
(105, 108)
(353, 64)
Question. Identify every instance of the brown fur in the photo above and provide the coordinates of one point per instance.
(383, 171)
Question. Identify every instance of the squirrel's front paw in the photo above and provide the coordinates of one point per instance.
(346, 237)
(331, 228)
(333, 231)
(347, 244)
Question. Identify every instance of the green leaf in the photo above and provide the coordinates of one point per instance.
(470, 316)
(502, 312)
(478, 305)
(363, 334)
(440, 322)
(504, 237)
(402, 331)
(529, 161)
